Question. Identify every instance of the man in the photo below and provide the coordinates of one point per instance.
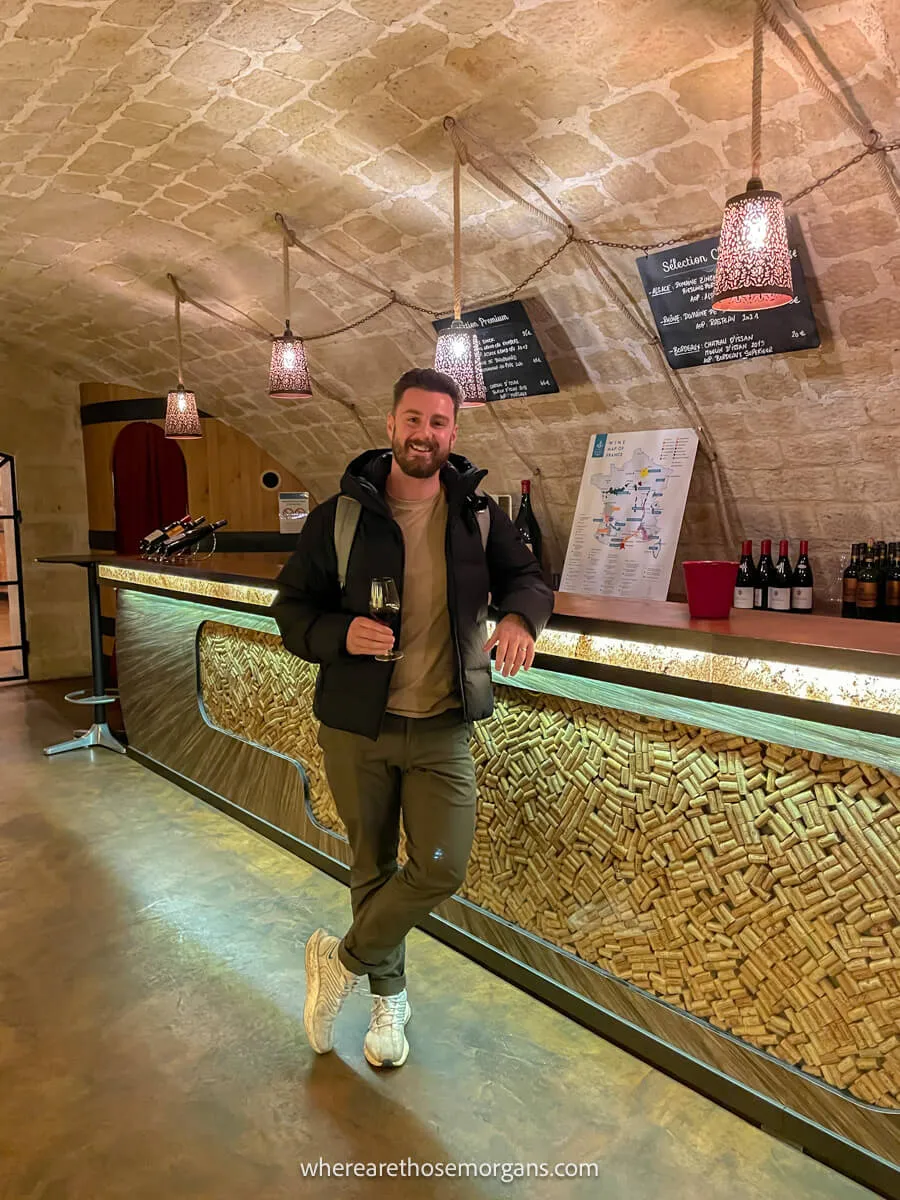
(395, 735)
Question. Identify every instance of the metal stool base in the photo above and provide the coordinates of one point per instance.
(97, 735)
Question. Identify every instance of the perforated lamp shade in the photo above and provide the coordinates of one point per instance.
(458, 355)
(289, 370)
(182, 418)
(753, 268)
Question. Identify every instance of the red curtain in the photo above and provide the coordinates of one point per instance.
(149, 483)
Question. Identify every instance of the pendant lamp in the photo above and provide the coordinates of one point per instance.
(288, 370)
(458, 353)
(182, 418)
(753, 267)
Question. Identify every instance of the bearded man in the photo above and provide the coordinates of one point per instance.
(395, 734)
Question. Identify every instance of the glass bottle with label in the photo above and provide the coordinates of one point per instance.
(848, 589)
(867, 587)
(745, 583)
(780, 585)
(802, 583)
(892, 588)
(764, 573)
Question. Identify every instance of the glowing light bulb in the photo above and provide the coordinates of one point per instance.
(290, 358)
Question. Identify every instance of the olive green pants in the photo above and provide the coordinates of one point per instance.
(421, 769)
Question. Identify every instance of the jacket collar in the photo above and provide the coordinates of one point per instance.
(365, 478)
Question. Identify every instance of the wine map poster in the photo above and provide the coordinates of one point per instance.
(629, 513)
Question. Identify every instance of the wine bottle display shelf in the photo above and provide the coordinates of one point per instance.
(750, 884)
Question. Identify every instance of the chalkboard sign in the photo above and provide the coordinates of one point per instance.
(511, 356)
(679, 286)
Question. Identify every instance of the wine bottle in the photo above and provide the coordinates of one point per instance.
(526, 522)
(190, 537)
(764, 572)
(780, 584)
(802, 582)
(848, 583)
(882, 562)
(867, 587)
(746, 578)
(892, 587)
(156, 537)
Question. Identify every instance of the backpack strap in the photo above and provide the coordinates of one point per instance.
(346, 519)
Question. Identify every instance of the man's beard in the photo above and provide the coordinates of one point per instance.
(418, 466)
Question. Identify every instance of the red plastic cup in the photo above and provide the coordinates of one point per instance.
(710, 588)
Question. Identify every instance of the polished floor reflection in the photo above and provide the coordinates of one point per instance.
(151, 1047)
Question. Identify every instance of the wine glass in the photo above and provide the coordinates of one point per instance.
(384, 605)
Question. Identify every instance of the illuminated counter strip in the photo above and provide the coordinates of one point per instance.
(712, 885)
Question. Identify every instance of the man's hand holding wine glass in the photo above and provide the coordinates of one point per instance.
(366, 636)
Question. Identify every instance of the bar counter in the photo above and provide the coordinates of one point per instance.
(688, 833)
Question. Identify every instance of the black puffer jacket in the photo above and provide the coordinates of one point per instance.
(314, 616)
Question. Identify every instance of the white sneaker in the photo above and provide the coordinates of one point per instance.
(386, 1044)
(328, 984)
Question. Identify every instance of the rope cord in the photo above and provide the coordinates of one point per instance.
(286, 278)
(756, 105)
(457, 250)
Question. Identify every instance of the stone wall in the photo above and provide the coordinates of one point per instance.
(39, 426)
(147, 137)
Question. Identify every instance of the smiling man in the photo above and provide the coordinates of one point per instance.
(395, 735)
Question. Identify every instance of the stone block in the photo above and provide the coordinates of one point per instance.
(848, 277)
(488, 61)
(43, 118)
(859, 182)
(268, 143)
(266, 88)
(339, 34)
(232, 115)
(104, 46)
(386, 12)
(259, 25)
(720, 91)
(614, 366)
(692, 163)
(569, 155)
(377, 121)
(102, 104)
(54, 22)
(780, 139)
(469, 18)
(25, 185)
(408, 48)
(396, 172)
(694, 210)
(44, 166)
(20, 59)
(192, 144)
(641, 122)
(499, 120)
(650, 50)
(167, 115)
(427, 92)
(142, 13)
(558, 95)
(346, 82)
(851, 231)
(135, 133)
(185, 24)
(863, 324)
(295, 66)
(141, 65)
(101, 158)
(181, 93)
(334, 150)
(205, 62)
(300, 119)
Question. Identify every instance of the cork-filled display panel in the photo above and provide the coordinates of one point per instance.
(752, 885)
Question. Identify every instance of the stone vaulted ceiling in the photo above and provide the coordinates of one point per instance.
(146, 136)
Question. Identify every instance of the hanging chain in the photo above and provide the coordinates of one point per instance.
(315, 337)
(286, 278)
(457, 248)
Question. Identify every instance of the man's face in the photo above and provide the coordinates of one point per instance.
(423, 431)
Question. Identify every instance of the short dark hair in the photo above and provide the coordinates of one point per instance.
(428, 380)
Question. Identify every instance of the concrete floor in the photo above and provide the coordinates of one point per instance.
(151, 1044)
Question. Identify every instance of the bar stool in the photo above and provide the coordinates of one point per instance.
(98, 696)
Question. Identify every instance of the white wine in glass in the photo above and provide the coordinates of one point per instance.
(384, 606)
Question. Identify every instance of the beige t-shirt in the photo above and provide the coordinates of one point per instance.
(424, 681)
